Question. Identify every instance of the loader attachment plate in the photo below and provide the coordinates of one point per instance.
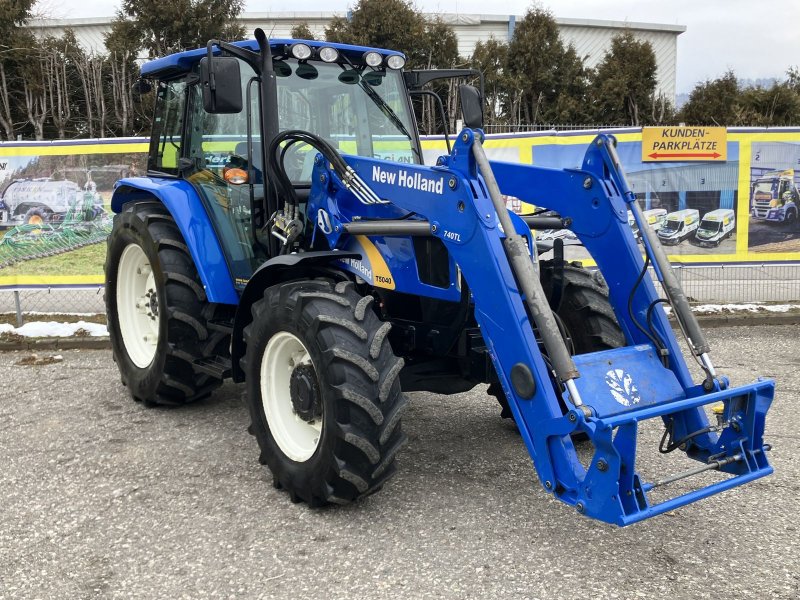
(625, 379)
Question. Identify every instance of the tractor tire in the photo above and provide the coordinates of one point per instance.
(323, 391)
(585, 312)
(157, 309)
(38, 215)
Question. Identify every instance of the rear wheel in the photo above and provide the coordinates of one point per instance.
(585, 312)
(38, 215)
(323, 391)
(157, 309)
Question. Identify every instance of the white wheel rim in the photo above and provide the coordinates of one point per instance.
(297, 439)
(137, 306)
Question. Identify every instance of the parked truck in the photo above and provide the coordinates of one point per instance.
(330, 297)
(679, 226)
(775, 198)
(715, 227)
(655, 218)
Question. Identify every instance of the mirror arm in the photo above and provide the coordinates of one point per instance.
(442, 113)
(248, 56)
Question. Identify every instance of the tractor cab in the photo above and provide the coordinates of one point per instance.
(354, 98)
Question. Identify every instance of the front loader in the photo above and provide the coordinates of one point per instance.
(287, 235)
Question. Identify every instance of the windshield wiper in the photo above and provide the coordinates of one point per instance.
(388, 111)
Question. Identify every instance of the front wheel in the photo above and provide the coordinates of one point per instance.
(323, 391)
(790, 222)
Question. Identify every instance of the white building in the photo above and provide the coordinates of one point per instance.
(590, 37)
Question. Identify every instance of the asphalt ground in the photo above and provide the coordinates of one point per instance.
(101, 497)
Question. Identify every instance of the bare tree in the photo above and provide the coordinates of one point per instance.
(121, 91)
(58, 90)
(35, 93)
(96, 84)
(6, 118)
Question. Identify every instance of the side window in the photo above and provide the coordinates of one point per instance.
(165, 145)
(343, 122)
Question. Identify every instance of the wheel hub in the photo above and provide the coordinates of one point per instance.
(153, 304)
(304, 392)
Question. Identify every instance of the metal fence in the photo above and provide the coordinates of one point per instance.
(50, 303)
(528, 128)
(730, 283)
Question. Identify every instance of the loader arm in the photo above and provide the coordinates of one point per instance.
(647, 378)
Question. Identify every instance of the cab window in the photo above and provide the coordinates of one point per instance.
(165, 145)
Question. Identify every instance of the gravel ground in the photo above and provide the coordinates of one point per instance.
(102, 497)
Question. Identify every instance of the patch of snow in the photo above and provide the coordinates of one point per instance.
(53, 329)
(42, 313)
(752, 307)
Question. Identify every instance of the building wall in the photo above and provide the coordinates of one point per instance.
(591, 38)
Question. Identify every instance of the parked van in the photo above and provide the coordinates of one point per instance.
(678, 226)
(655, 219)
(716, 226)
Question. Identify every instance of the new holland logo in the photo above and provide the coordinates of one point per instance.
(621, 386)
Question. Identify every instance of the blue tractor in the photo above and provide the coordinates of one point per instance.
(288, 235)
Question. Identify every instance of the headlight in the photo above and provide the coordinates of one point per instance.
(301, 51)
(395, 62)
(773, 203)
(328, 54)
(373, 59)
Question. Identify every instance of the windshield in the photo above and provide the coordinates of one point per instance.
(764, 188)
(361, 112)
(671, 226)
(358, 110)
(710, 226)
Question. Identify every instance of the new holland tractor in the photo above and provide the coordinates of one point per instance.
(288, 235)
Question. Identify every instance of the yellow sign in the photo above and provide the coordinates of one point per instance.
(682, 144)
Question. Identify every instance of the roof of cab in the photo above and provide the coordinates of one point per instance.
(685, 212)
(181, 62)
(719, 212)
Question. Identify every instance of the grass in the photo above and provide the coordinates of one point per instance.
(83, 261)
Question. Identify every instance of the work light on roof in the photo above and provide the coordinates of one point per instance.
(328, 54)
(395, 61)
(373, 59)
(301, 51)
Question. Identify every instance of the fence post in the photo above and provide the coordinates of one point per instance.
(18, 308)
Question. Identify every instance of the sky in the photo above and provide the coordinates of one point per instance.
(757, 39)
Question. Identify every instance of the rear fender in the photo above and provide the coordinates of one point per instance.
(190, 215)
(274, 271)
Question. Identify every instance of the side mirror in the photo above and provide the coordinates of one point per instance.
(471, 106)
(142, 86)
(222, 85)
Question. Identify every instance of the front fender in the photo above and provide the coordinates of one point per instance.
(185, 206)
(275, 270)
